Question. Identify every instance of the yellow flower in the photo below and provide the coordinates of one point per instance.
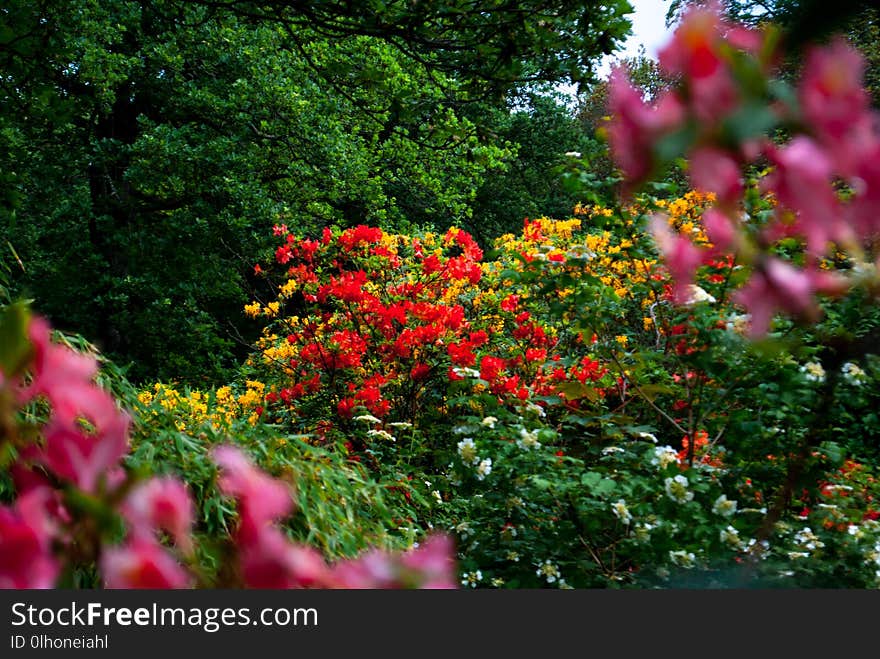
(621, 339)
(252, 310)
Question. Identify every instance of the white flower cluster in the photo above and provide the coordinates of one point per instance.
(468, 452)
(646, 435)
(549, 571)
(724, 506)
(813, 372)
(808, 540)
(682, 558)
(484, 468)
(853, 374)
(489, 422)
(730, 537)
(381, 434)
(368, 418)
(676, 489)
(664, 456)
(643, 531)
(698, 294)
(528, 440)
(471, 578)
(621, 511)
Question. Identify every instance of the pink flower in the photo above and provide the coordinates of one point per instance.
(720, 230)
(142, 563)
(714, 170)
(834, 102)
(26, 559)
(431, 565)
(161, 503)
(80, 457)
(433, 561)
(802, 181)
(693, 49)
(636, 126)
(64, 378)
(261, 498)
(681, 256)
(778, 286)
(272, 561)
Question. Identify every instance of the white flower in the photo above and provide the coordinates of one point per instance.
(808, 540)
(382, 434)
(682, 558)
(489, 421)
(547, 570)
(468, 451)
(513, 556)
(608, 450)
(664, 456)
(646, 435)
(484, 468)
(369, 418)
(724, 506)
(528, 440)
(676, 489)
(621, 511)
(400, 424)
(497, 582)
(698, 294)
(436, 495)
(573, 154)
(643, 531)
(739, 323)
(813, 371)
(465, 372)
(537, 409)
(853, 374)
(471, 578)
(730, 537)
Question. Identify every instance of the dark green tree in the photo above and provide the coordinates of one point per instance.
(147, 148)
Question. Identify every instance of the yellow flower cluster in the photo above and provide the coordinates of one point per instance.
(254, 309)
(599, 254)
(191, 408)
(684, 213)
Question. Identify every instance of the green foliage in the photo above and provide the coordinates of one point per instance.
(146, 149)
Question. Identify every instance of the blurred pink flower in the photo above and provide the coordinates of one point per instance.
(681, 256)
(714, 170)
(802, 182)
(142, 563)
(161, 503)
(271, 561)
(635, 125)
(26, 559)
(261, 498)
(776, 285)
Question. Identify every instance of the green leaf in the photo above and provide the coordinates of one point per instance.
(576, 391)
(15, 348)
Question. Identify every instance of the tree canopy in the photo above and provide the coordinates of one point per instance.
(147, 148)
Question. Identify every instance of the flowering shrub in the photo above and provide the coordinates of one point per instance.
(584, 404)
(823, 180)
(77, 507)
